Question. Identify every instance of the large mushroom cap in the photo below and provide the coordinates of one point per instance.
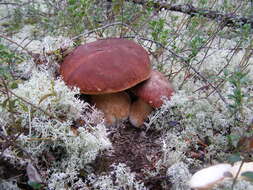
(106, 66)
(152, 90)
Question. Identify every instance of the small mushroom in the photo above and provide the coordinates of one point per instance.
(104, 67)
(149, 93)
(206, 178)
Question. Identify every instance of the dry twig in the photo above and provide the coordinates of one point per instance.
(230, 20)
(6, 91)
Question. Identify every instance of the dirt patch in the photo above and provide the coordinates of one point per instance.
(138, 149)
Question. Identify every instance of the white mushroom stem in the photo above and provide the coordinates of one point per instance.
(206, 178)
(115, 106)
(139, 111)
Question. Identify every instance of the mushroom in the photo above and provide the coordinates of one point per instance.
(149, 94)
(105, 67)
(208, 177)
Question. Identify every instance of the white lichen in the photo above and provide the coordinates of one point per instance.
(120, 177)
(239, 185)
(50, 130)
(179, 176)
(9, 184)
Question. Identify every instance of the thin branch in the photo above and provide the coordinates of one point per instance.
(231, 20)
(10, 40)
(103, 27)
(186, 62)
(14, 4)
(237, 174)
(31, 104)
(8, 98)
(34, 56)
(11, 141)
(161, 45)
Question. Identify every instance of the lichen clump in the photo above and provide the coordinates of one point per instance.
(50, 132)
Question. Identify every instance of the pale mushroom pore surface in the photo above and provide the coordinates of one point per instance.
(207, 177)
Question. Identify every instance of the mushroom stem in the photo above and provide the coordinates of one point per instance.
(139, 111)
(115, 106)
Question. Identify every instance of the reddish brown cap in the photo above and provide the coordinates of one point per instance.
(106, 66)
(152, 90)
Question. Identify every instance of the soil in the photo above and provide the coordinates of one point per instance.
(138, 149)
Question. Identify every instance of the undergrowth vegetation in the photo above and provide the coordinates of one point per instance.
(50, 137)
